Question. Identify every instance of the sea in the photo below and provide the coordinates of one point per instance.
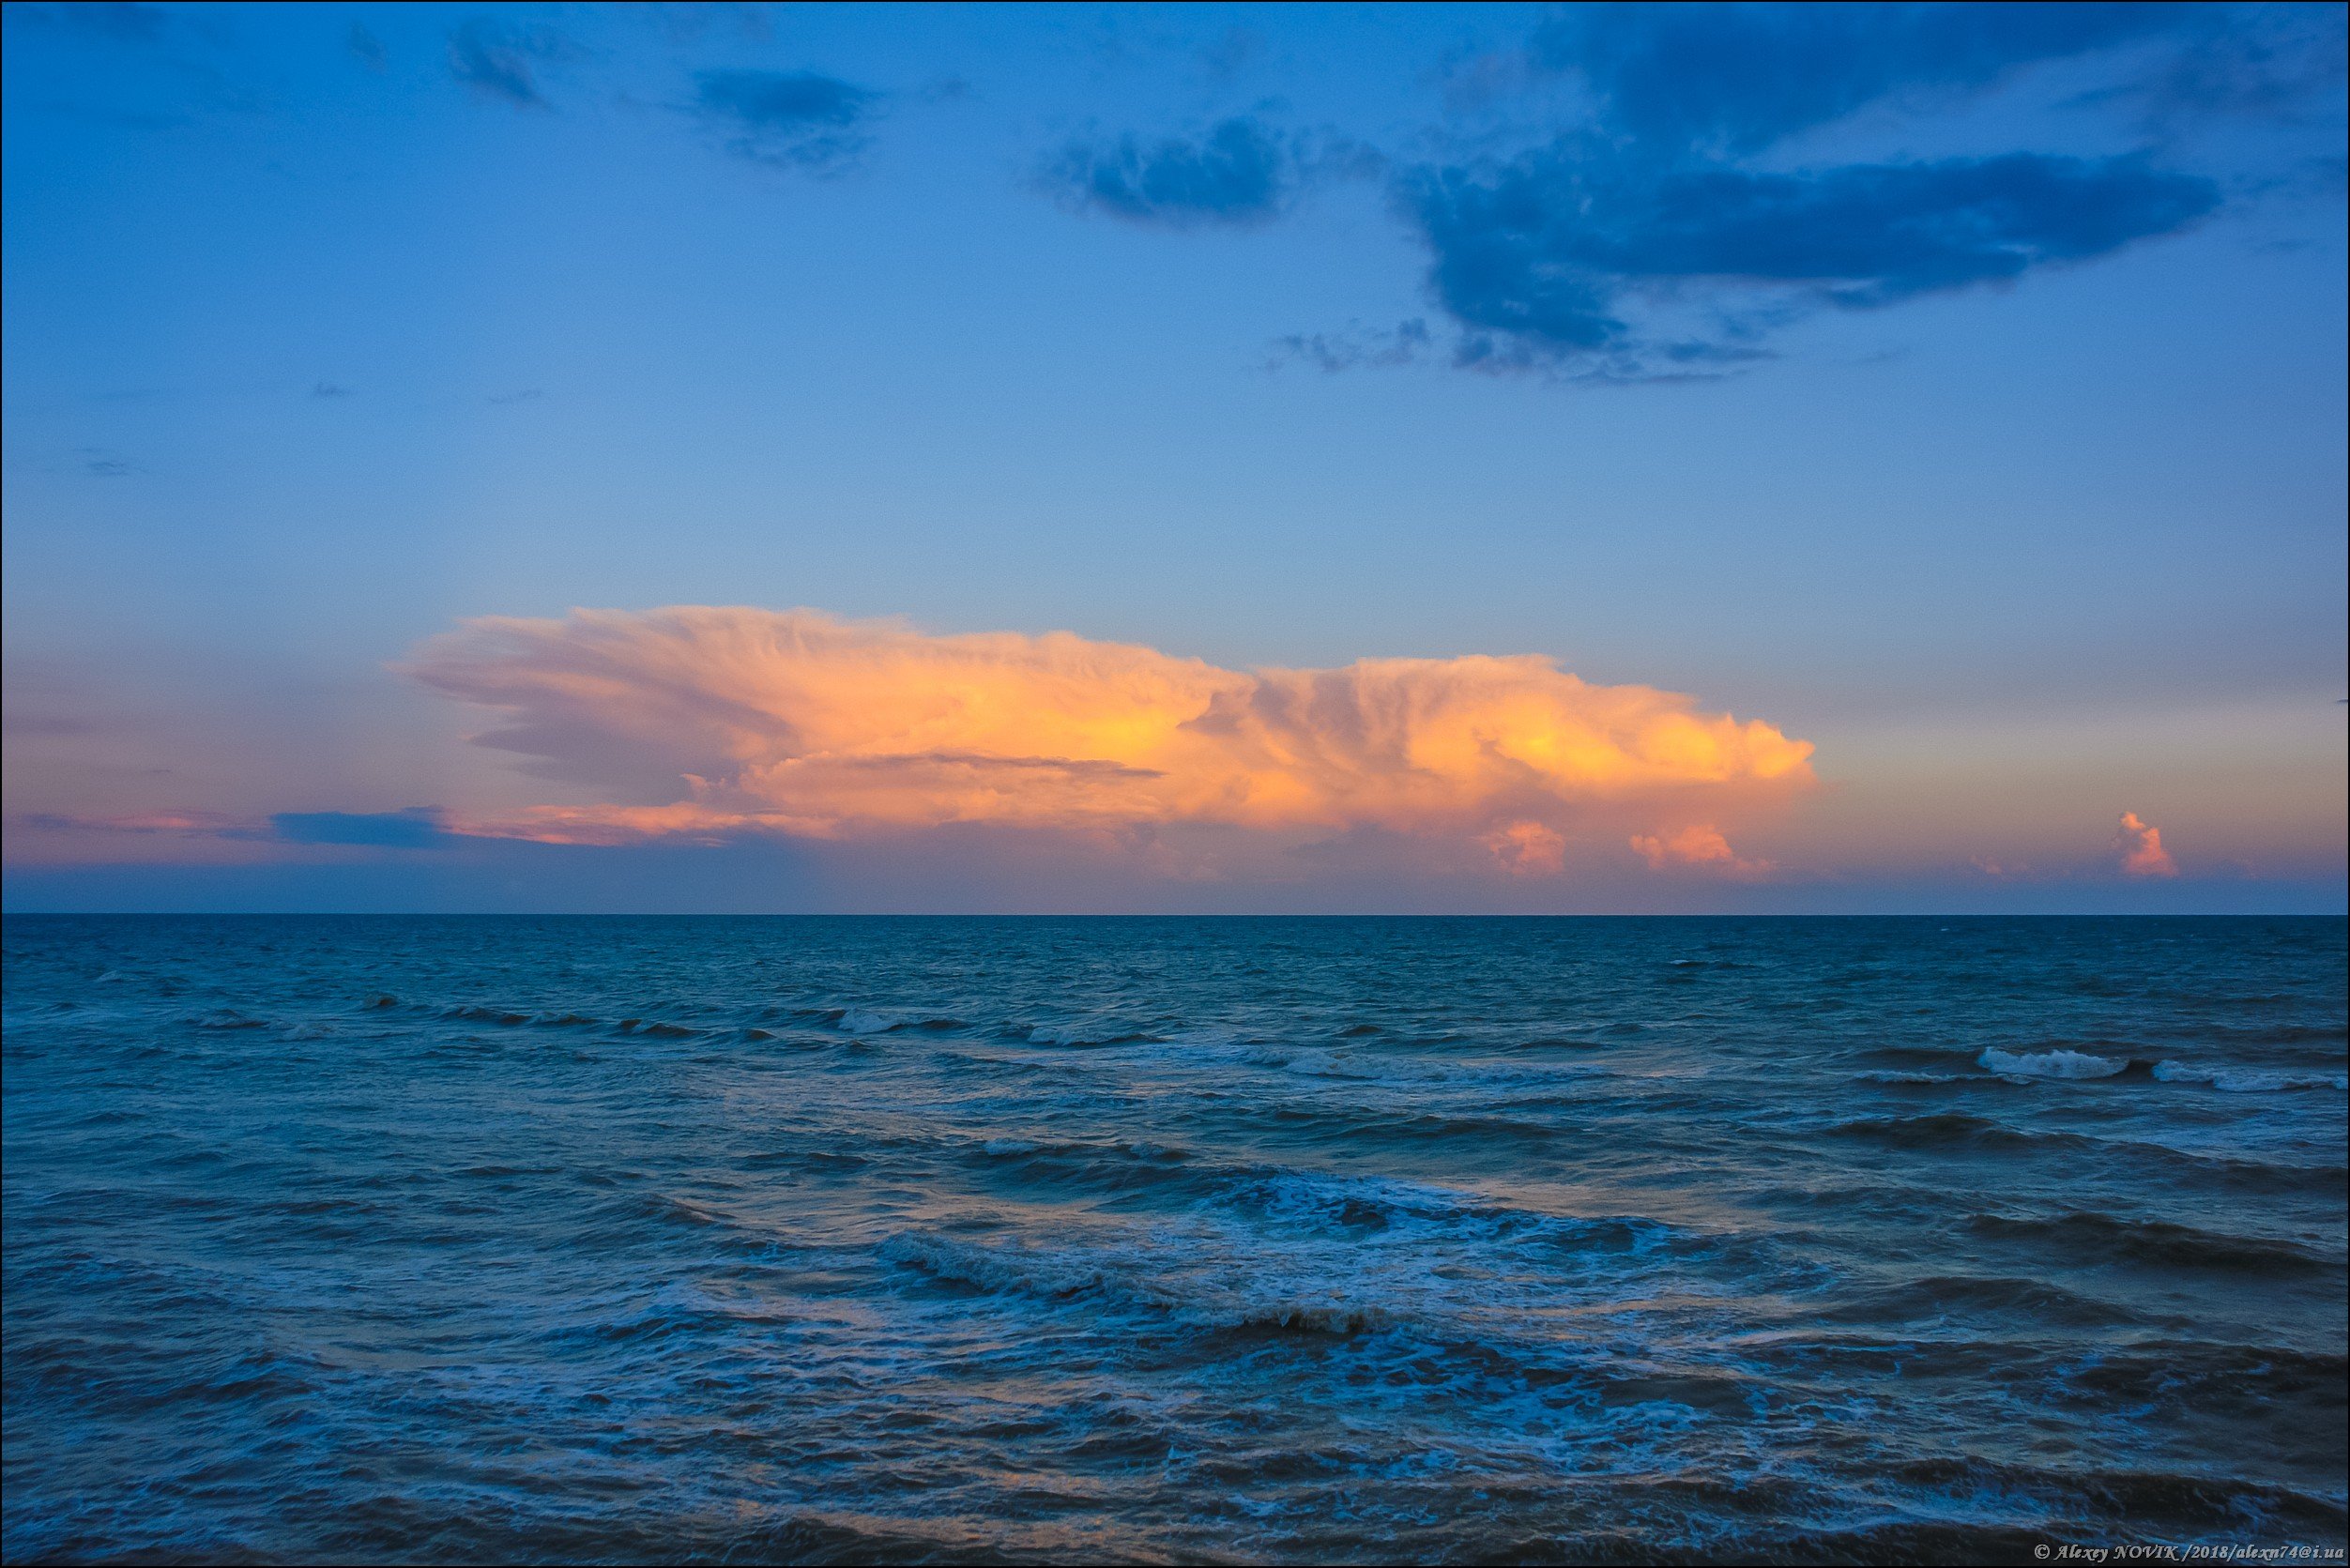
(812, 1239)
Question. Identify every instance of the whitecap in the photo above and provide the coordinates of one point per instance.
(2049, 1064)
(856, 1020)
(2246, 1081)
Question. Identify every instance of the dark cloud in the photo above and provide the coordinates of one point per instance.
(416, 828)
(496, 61)
(1573, 256)
(1548, 255)
(1238, 173)
(1731, 78)
(789, 120)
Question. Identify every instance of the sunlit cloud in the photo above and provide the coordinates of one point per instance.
(2140, 846)
(1528, 848)
(697, 722)
(1700, 846)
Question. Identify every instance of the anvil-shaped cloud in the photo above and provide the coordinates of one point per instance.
(711, 721)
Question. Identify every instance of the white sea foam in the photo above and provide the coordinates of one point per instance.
(2049, 1064)
(857, 1021)
(2244, 1080)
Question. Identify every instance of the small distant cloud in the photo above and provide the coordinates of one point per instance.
(415, 828)
(1405, 343)
(366, 46)
(1232, 51)
(1701, 847)
(328, 389)
(526, 394)
(1528, 848)
(787, 120)
(2140, 845)
(1237, 172)
(496, 61)
(107, 468)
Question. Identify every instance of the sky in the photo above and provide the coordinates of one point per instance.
(1134, 458)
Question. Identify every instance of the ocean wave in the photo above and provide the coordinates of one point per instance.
(2051, 1064)
(657, 1029)
(2085, 1235)
(2247, 1080)
(228, 1018)
(1953, 1128)
(1090, 1032)
(1994, 1296)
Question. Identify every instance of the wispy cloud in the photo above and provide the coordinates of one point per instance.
(499, 61)
(713, 721)
(788, 120)
(1238, 172)
(366, 47)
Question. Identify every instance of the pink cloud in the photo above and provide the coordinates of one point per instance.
(1528, 848)
(1700, 846)
(2139, 845)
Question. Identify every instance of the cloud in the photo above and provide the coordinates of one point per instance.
(1528, 848)
(1237, 172)
(797, 119)
(711, 721)
(1669, 225)
(1406, 344)
(196, 824)
(1701, 847)
(1729, 79)
(495, 61)
(2140, 845)
(1547, 257)
(416, 828)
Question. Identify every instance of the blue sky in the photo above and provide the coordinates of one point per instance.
(1959, 391)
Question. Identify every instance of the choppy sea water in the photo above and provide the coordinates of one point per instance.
(1191, 1240)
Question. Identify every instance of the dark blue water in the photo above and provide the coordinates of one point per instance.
(843, 1240)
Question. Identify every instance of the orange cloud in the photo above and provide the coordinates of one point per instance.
(710, 721)
(2140, 847)
(1701, 845)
